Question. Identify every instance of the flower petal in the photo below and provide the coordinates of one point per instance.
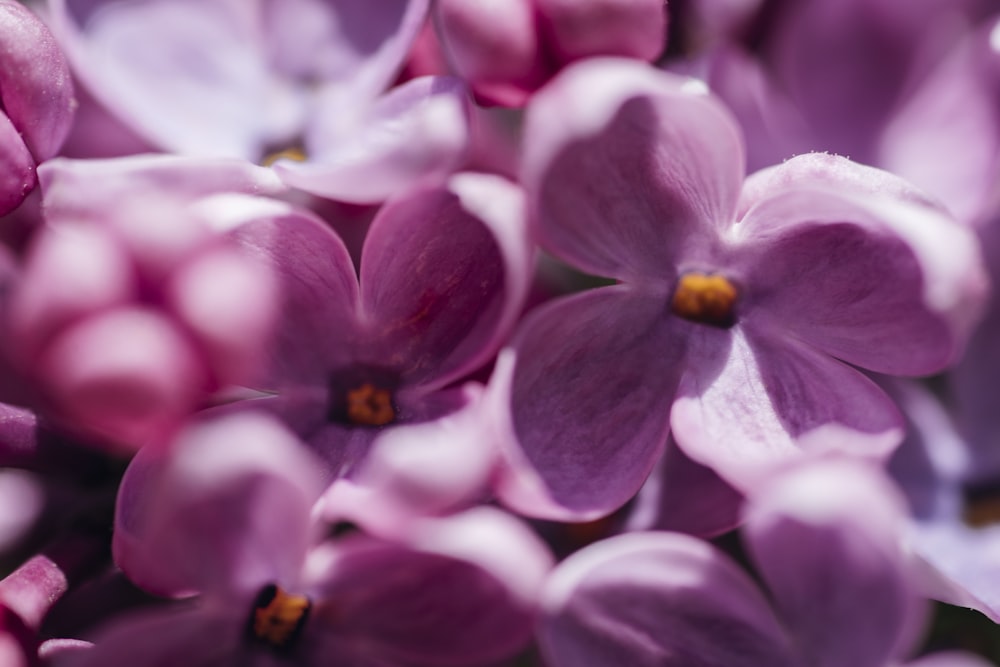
(747, 403)
(318, 292)
(416, 134)
(657, 599)
(443, 277)
(834, 561)
(591, 390)
(225, 508)
(625, 164)
(880, 281)
(455, 591)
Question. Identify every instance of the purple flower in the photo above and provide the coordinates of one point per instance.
(225, 512)
(262, 81)
(833, 563)
(741, 307)
(37, 100)
(133, 305)
(442, 277)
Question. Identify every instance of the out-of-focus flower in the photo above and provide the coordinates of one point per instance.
(134, 304)
(225, 512)
(506, 50)
(36, 100)
(833, 562)
(443, 274)
(296, 83)
(741, 307)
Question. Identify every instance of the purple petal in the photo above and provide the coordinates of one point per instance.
(36, 90)
(318, 290)
(950, 659)
(462, 593)
(662, 599)
(422, 469)
(226, 508)
(945, 137)
(747, 404)
(834, 561)
(416, 134)
(864, 276)
(443, 276)
(623, 164)
(590, 396)
(686, 497)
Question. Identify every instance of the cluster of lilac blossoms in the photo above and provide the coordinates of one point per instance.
(520, 333)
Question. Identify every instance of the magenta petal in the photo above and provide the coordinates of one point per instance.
(226, 508)
(17, 167)
(443, 275)
(416, 134)
(317, 290)
(950, 659)
(623, 164)
(747, 404)
(584, 28)
(812, 542)
(35, 87)
(658, 600)
(592, 388)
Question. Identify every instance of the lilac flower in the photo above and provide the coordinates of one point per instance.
(37, 100)
(833, 564)
(132, 308)
(442, 277)
(233, 524)
(741, 307)
(261, 81)
(508, 50)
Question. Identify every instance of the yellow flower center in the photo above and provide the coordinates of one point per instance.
(278, 616)
(291, 153)
(369, 405)
(706, 299)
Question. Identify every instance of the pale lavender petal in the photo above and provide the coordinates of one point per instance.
(864, 275)
(586, 28)
(87, 188)
(36, 90)
(747, 403)
(211, 91)
(628, 168)
(416, 134)
(226, 509)
(658, 599)
(357, 44)
(946, 138)
(812, 542)
(591, 391)
(318, 292)
(444, 274)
